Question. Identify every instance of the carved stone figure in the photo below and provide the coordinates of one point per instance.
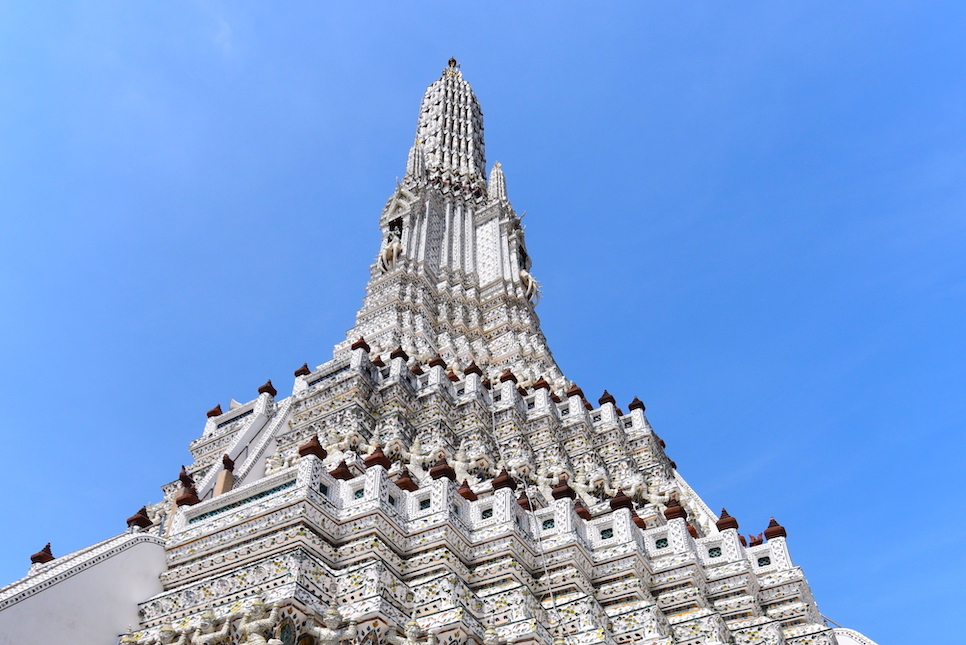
(167, 635)
(417, 459)
(258, 622)
(330, 632)
(464, 466)
(207, 632)
(586, 489)
(545, 482)
(411, 636)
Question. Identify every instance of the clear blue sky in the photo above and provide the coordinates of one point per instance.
(751, 215)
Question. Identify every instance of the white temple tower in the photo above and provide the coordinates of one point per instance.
(438, 481)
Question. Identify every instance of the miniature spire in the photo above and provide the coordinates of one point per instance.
(215, 411)
(416, 163)
(303, 371)
(268, 388)
(726, 521)
(496, 185)
(774, 530)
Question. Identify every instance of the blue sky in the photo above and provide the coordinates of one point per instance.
(748, 214)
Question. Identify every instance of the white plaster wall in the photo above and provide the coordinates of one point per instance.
(92, 607)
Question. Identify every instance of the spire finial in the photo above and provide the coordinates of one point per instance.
(452, 62)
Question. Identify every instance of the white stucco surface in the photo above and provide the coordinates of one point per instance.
(85, 598)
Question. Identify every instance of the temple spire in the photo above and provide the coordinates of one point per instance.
(450, 126)
(496, 186)
(416, 163)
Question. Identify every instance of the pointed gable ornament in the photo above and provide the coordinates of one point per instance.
(313, 447)
(674, 510)
(503, 480)
(377, 458)
(342, 471)
(466, 492)
(140, 519)
(43, 556)
(268, 389)
(442, 469)
(405, 481)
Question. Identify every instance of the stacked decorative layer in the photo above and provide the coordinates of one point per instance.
(469, 507)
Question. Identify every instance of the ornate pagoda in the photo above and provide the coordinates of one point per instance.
(438, 481)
